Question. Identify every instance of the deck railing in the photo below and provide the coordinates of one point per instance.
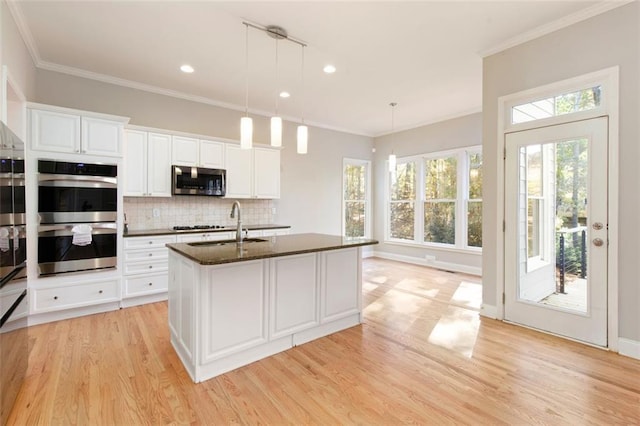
(571, 255)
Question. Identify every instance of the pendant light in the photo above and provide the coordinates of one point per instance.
(246, 123)
(303, 131)
(392, 156)
(276, 121)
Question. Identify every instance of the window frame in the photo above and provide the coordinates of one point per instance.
(461, 202)
(368, 222)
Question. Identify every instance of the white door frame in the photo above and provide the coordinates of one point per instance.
(609, 79)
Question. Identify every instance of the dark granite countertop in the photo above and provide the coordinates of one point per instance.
(215, 253)
(152, 232)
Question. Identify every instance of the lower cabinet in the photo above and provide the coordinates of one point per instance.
(145, 269)
(225, 316)
(74, 295)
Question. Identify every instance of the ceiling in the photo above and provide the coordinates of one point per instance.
(426, 56)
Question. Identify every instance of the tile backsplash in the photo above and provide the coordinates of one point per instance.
(190, 211)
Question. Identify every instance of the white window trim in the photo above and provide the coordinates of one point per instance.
(609, 79)
(462, 196)
(367, 204)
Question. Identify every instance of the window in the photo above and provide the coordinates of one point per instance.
(355, 205)
(580, 100)
(474, 202)
(403, 197)
(440, 193)
(449, 187)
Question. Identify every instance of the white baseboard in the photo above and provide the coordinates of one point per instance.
(41, 318)
(489, 311)
(447, 266)
(628, 347)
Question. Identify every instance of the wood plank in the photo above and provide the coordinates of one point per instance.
(423, 355)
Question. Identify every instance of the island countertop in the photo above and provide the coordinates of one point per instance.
(219, 252)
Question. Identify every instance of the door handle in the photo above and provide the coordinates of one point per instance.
(597, 226)
(598, 242)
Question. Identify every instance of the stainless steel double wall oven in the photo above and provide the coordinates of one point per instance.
(14, 349)
(77, 208)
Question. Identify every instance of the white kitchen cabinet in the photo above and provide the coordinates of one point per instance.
(266, 173)
(340, 284)
(205, 236)
(294, 294)
(239, 163)
(194, 152)
(66, 131)
(275, 232)
(252, 173)
(211, 154)
(145, 269)
(184, 151)
(74, 295)
(147, 164)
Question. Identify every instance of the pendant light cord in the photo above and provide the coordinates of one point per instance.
(277, 85)
(302, 78)
(246, 100)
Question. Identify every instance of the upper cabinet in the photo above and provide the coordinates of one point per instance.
(147, 164)
(252, 173)
(197, 153)
(56, 129)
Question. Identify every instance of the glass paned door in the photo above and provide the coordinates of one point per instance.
(556, 233)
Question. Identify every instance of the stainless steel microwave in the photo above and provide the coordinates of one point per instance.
(187, 180)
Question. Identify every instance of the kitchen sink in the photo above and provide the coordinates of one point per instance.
(225, 242)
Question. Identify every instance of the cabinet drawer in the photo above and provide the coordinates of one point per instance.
(139, 286)
(146, 255)
(148, 242)
(71, 296)
(152, 266)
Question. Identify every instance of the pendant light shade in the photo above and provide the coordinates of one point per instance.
(246, 123)
(276, 131)
(392, 157)
(392, 163)
(246, 132)
(303, 137)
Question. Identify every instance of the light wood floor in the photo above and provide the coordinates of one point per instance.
(423, 355)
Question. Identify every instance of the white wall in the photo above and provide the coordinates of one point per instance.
(450, 134)
(601, 42)
(310, 184)
(14, 53)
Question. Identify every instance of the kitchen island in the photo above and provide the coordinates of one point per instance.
(232, 304)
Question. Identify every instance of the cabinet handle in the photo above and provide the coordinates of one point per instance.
(55, 297)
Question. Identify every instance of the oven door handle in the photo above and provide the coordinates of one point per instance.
(82, 181)
(66, 229)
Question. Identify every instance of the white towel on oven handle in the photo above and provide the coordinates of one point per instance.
(81, 235)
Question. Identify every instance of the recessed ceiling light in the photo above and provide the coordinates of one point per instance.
(187, 68)
(284, 94)
(329, 69)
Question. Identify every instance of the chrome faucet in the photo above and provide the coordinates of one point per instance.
(236, 206)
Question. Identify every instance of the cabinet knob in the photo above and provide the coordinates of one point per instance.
(99, 291)
(150, 283)
(150, 266)
(150, 254)
(150, 242)
(55, 297)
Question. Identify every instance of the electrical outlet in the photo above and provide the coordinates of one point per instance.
(156, 212)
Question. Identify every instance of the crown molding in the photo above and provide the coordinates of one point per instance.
(582, 15)
(435, 120)
(24, 31)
